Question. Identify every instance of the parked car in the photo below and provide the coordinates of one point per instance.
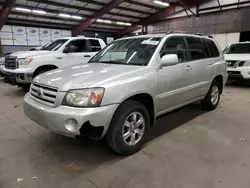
(21, 67)
(238, 61)
(122, 90)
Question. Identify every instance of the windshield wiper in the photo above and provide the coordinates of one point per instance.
(136, 64)
(118, 63)
(107, 62)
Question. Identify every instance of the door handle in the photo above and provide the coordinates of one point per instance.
(59, 58)
(188, 68)
(86, 56)
(210, 63)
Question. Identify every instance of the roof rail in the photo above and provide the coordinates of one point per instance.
(182, 32)
(192, 33)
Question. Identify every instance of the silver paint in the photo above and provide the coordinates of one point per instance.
(170, 87)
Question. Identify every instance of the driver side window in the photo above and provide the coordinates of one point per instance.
(175, 45)
(77, 46)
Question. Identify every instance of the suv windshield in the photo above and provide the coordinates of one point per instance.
(238, 49)
(133, 51)
(55, 45)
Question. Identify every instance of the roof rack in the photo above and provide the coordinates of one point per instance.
(184, 32)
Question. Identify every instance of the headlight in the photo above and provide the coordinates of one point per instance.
(247, 63)
(84, 98)
(25, 61)
(2, 61)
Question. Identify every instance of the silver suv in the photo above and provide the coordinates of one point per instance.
(122, 90)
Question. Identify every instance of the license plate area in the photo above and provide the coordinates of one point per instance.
(10, 78)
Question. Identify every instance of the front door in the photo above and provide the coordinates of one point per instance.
(81, 54)
(174, 81)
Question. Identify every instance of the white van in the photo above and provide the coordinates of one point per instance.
(21, 67)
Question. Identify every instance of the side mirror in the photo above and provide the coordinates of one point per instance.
(169, 60)
(69, 49)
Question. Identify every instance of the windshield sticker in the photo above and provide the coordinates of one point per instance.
(150, 42)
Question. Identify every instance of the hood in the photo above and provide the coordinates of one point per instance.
(24, 54)
(237, 57)
(83, 76)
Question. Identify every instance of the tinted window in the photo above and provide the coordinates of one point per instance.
(175, 45)
(95, 45)
(80, 46)
(196, 48)
(208, 54)
(212, 48)
(243, 48)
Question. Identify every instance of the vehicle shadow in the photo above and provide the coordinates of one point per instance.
(15, 92)
(92, 154)
(82, 153)
(243, 83)
(172, 120)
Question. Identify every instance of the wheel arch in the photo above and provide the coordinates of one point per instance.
(219, 79)
(146, 100)
(47, 67)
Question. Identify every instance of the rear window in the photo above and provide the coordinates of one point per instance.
(95, 45)
(197, 49)
(214, 52)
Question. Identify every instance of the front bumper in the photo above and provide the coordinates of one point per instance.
(55, 119)
(18, 76)
(1, 70)
(241, 73)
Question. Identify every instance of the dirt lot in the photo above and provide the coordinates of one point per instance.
(188, 148)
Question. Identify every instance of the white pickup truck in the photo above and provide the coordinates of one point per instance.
(21, 67)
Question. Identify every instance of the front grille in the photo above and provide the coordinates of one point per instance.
(11, 62)
(43, 94)
(231, 63)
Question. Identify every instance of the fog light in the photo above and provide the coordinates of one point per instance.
(71, 125)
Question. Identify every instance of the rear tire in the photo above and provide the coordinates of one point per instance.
(212, 99)
(128, 128)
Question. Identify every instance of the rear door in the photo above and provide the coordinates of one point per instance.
(202, 64)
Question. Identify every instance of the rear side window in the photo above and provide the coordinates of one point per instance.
(212, 48)
(175, 45)
(95, 45)
(197, 49)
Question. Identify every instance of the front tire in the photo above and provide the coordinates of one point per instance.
(212, 99)
(128, 128)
